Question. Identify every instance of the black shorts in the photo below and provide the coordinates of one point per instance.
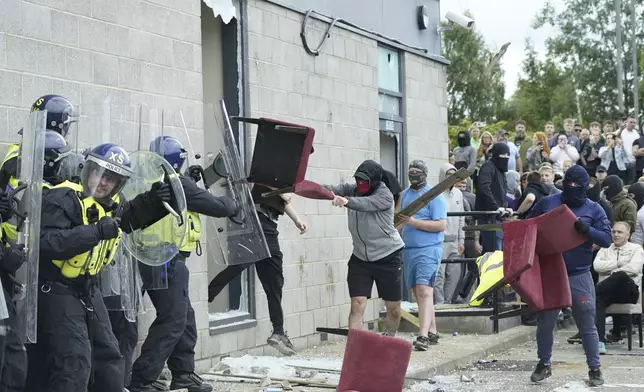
(385, 272)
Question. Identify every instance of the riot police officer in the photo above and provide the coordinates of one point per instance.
(81, 228)
(173, 335)
(60, 116)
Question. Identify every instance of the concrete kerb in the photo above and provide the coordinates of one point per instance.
(464, 360)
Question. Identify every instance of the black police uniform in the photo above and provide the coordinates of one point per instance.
(173, 334)
(76, 349)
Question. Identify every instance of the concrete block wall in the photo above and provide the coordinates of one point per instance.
(426, 113)
(335, 93)
(139, 51)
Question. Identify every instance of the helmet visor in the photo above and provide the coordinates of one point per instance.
(100, 182)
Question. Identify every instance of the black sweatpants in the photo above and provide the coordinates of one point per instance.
(172, 337)
(13, 357)
(72, 343)
(270, 274)
(618, 288)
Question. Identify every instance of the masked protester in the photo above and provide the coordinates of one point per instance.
(377, 246)
(491, 189)
(594, 225)
(465, 154)
(423, 234)
(625, 208)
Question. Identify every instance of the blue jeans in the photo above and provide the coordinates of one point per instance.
(583, 310)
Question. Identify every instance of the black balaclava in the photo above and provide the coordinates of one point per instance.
(575, 195)
(612, 186)
(636, 191)
(368, 177)
(463, 139)
(594, 192)
(497, 150)
(418, 181)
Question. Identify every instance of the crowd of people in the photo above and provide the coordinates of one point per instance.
(597, 173)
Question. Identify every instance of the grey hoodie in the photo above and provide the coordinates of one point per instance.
(454, 200)
(371, 221)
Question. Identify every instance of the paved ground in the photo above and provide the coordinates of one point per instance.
(510, 371)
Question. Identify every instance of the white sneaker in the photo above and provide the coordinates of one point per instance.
(609, 320)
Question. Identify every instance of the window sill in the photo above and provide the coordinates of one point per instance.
(232, 324)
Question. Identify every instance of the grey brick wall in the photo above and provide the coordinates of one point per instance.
(335, 93)
(426, 113)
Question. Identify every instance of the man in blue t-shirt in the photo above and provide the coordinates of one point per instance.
(423, 235)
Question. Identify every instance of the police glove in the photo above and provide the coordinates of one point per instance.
(5, 207)
(582, 227)
(160, 192)
(107, 228)
(13, 257)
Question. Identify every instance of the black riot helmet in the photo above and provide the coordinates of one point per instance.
(60, 112)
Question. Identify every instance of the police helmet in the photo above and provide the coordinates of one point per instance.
(171, 150)
(60, 112)
(71, 167)
(106, 170)
(56, 149)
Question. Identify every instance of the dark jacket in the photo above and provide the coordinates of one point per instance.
(203, 202)
(469, 201)
(625, 209)
(491, 188)
(538, 189)
(63, 234)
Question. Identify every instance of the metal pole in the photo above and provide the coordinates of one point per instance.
(618, 44)
(636, 84)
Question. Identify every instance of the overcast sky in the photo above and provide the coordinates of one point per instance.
(501, 21)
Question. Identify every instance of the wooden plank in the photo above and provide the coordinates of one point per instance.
(430, 195)
(314, 382)
(410, 318)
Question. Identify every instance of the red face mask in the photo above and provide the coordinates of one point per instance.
(363, 186)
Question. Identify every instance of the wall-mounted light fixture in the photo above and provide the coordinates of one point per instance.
(422, 17)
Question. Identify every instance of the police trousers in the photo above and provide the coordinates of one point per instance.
(172, 337)
(76, 349)
(13, 356)
(126, 333)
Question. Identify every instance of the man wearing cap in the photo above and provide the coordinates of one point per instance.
(423, 235)
(601, 174)
(515, 162)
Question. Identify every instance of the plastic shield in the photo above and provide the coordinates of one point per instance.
(109, 120)
(27, 203)
(158, 244)
(240, 239)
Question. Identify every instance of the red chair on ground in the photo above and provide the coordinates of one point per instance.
(374, 363)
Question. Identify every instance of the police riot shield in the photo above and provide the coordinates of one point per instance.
(26, 201)
(158, 244)
(109, 120)
(238, 239)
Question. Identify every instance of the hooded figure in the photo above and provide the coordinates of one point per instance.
(575, 183)
(418, 181)
(491, 189)
(449, 275)
(500, 156)
(465, 154)
(368, 177)
(636, 192)
(594, 226)
(536, 188)
(513, 179)
(625, 208)
(594, 193)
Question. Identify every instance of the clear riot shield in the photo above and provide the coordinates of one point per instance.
(27, 198)
(239, 239)
(158, 244)
(109, 120)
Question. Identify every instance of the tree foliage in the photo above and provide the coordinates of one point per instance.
(475, 88)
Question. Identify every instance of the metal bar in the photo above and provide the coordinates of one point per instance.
(495, 311)
(509, 313)
(459, 260)
(474, 213)
(485, 227)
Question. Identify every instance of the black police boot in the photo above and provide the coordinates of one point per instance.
(595, 378)
(191, 382)
(541, 372)
(152, 387)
